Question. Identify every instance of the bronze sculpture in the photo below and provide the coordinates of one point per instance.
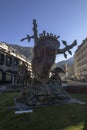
(45, 89)
(45, 50)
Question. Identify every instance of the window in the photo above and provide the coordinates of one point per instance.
(8, 76)
(16, 62)
(1, 59)
(8, 61)
(1, 75)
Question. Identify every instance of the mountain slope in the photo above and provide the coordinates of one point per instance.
(70, 61)
(26, 51)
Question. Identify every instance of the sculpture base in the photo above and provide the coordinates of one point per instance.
(22, 108)
(38, 94)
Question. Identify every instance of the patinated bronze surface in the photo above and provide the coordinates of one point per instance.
(44, 57)
(44, 89)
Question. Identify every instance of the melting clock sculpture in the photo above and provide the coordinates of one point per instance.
(45, 90)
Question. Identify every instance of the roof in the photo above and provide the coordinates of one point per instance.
(10, 50)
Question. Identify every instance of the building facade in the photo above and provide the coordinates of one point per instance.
(10, 63)
(80, 61)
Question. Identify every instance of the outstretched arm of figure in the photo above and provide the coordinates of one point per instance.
(28, 38)
(66, 48)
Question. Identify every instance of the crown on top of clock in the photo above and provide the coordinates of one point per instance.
(47, 35)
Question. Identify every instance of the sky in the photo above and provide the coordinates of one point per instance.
(67, 18)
